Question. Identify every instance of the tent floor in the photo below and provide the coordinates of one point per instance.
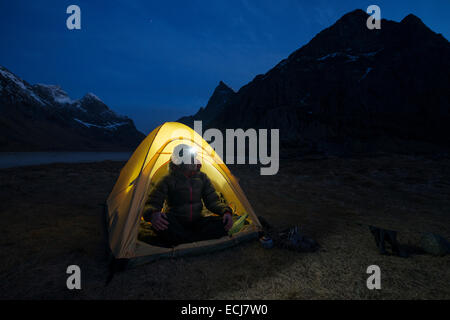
(195, 248)
(147, 235)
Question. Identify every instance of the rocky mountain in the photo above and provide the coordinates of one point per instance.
(43, 117)
(221, 95)
(350, 89)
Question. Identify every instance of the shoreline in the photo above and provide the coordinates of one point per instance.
(26, 159)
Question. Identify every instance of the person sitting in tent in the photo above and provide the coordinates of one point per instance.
(183, 189)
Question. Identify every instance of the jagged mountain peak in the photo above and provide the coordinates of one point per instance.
(412, 19)
(223, 87)
(416, 30)
(350, 34)
(93, 104)
(356, 15)
(91, 96)
(221, 92)
(220, 96)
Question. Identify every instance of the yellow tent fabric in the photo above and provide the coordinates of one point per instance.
(146, 166)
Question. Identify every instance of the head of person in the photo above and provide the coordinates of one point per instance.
(184, 158)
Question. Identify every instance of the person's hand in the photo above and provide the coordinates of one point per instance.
(227, 221)
(159, 221)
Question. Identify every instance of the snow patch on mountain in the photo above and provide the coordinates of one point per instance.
(110, 126)
(350, 57)
(330, 55)
(56, 93)
(371, 54)
(77, 105)
(338, 54)
(365, 74)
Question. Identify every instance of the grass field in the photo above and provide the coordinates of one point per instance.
(50, 218)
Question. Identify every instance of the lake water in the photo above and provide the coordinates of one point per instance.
(18, 159)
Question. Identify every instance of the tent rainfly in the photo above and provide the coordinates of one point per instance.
(147, 165)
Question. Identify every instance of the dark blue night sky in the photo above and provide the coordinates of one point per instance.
(159, 60)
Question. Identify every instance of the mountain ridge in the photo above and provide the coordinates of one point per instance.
(43, 117)
(351, 89)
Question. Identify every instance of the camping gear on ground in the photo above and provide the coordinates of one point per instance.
(430, 243)
(147, 165)
(266, 242)
(289, 238)
(292, 239)
(434, 244)
(237, 225)
(383, 236)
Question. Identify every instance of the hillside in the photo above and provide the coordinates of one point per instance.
(351, 89)
(43, 117)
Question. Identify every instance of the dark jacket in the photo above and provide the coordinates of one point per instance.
(184, 196)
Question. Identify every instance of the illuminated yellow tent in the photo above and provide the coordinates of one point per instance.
(147, 165)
